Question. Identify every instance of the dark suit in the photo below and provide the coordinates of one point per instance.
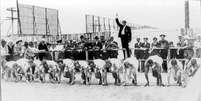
(42, 46)
(145, 53)
(97, 46)
(138, 53)
(112, 53)
(125, 38)
(155, 51)
(164, 52)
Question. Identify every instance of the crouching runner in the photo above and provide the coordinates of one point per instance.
(155, 62)
(69, 70)
(175, 71)
(130, 70)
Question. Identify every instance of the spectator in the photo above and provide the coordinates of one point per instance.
(10, 47)
(97, 46)
(67, 52)
(58, 50)
(89, 47)
(81, 45)
(171, 44)
(43, 48)
(146, 47)
(197, 45)
(29, 51)
(164, 52)
(4, 49)
(110, 46)
(59, 46)
(138, 53)
(181, 42)
(154, 44)
(82, 42)
(163, 43)
(18, 48)
(125, 34)
(75, 53)
(102, 39)
(173, 51)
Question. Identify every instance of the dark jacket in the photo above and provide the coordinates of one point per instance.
(11, 49)
(127, 32)
(42, 46)
(163, 43)
(138, 45)
(147, 45)
(155, 44)
(98, 44)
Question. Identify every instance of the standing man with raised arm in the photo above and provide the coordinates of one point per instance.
(124, 34)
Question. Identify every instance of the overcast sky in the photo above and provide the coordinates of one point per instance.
(164, 14)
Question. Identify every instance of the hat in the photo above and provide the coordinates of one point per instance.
(81, 37)
(31, 43)
(59, 41)
(43, 39)
(124, 21)
(155, 38)
(145, 38)
(96, 37)
(162, 35)
(18, 41)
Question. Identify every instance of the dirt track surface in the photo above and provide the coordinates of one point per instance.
(36, 91)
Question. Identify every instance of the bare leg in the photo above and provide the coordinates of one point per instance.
(115, 78)
(135, 79)
(146, 75)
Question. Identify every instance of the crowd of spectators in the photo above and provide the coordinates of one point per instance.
(159, 47)
(96, 49)
(68, 49)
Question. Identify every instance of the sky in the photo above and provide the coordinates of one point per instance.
(163, 14)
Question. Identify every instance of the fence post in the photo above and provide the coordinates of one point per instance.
(140, 65)
(87, 55)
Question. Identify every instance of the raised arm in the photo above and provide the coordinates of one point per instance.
(118, 23)
(117, 20)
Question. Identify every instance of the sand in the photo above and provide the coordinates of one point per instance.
(36, 91)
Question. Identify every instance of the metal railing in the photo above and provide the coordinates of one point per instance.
(81, 50)
(167, 59)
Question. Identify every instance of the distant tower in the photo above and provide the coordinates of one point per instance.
(187, 25)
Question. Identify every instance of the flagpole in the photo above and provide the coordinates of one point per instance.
(18, 17)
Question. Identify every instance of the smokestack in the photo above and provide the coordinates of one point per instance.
(187, 25)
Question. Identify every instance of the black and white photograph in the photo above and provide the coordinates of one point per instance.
(100, 50)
